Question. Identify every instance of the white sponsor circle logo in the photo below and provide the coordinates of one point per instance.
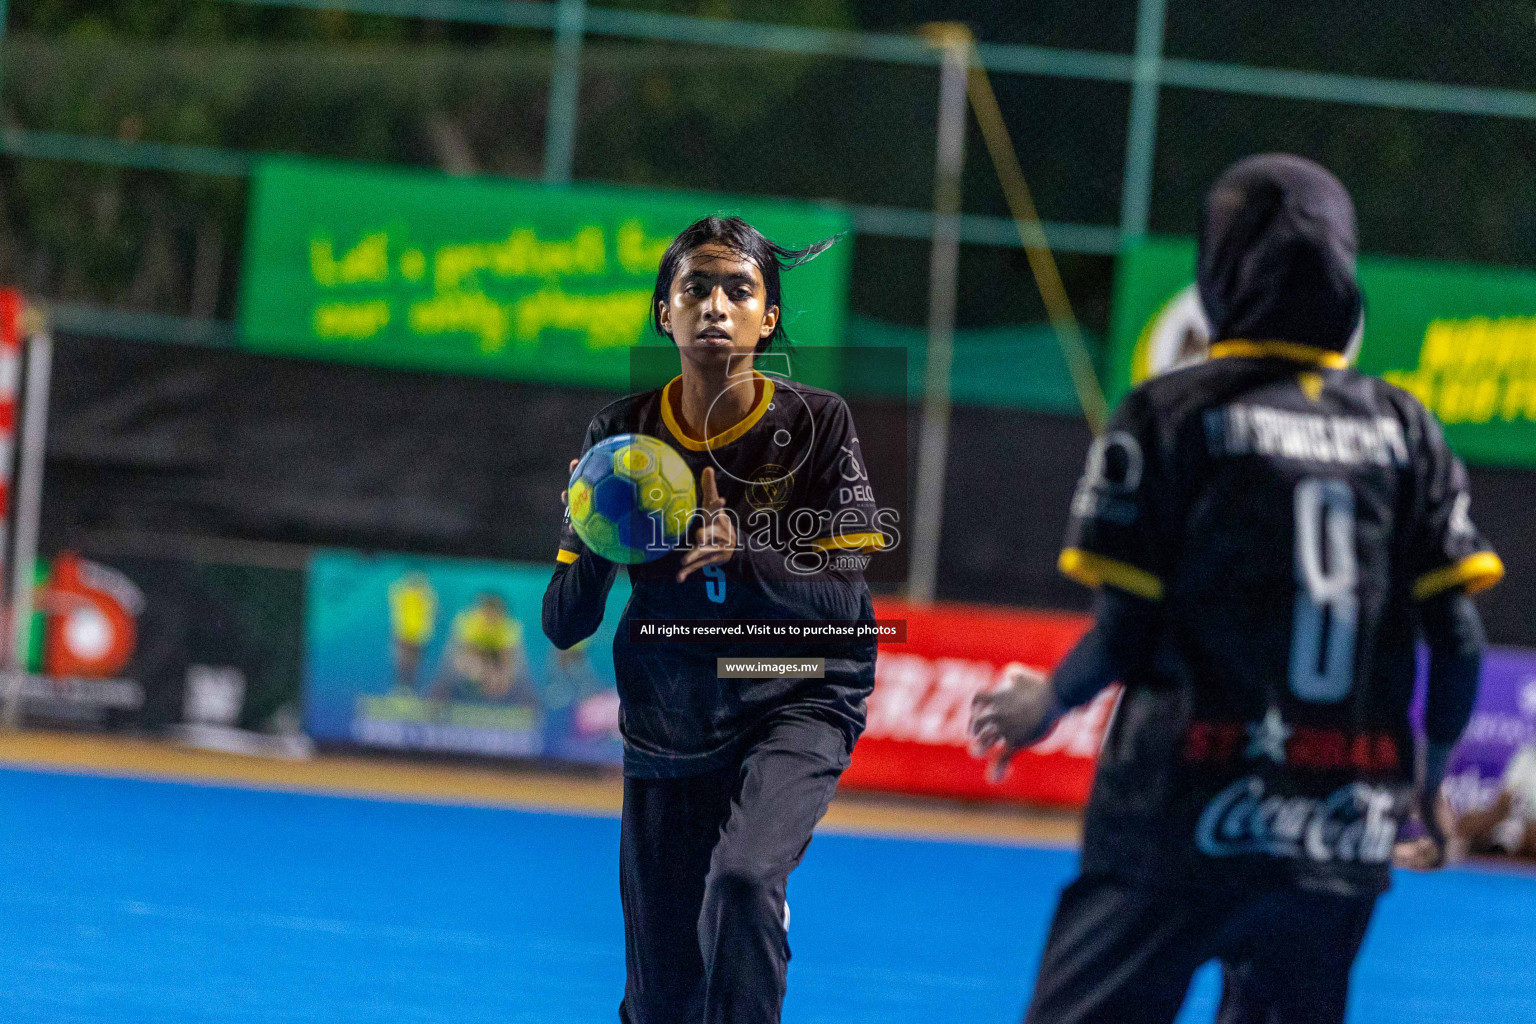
(1355, 823)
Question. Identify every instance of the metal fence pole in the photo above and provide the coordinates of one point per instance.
(943, 278)
(29, 501)
(10, 690)
(564, 88)
(1141, 136)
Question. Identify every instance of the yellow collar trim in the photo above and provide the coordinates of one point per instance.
(725, 436)
(1296, 353)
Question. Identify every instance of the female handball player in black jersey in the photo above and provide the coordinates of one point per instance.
(725, 778)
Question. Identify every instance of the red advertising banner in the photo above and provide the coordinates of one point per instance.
(915, 741)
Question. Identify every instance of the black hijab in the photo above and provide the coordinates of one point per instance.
(1277, 254)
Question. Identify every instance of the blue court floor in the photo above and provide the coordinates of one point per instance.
(129, 901)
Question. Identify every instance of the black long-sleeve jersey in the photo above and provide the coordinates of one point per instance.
(1288, 514)
(793, 475)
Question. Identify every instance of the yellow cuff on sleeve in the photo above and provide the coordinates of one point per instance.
(1475, 572)
(1093, 570)
(850, 540)
(565, 557)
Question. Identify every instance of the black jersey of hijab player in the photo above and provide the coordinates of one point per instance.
(792, 465)
(1287, 513)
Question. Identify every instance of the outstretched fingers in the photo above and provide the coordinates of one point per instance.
(699, 557)
(715, 541)
(712, 501)
(997, 769)
(982, 739)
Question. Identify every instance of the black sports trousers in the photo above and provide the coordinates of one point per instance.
(1124, 954)
(703, 863)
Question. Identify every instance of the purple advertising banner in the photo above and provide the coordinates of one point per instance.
(1503, 721)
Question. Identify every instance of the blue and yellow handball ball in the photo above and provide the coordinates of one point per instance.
(631, 497)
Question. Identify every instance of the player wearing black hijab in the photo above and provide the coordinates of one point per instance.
(1269, 532)
(725, 778)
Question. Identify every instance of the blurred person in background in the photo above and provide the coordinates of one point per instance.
(1269, 531)
(486, 659)
(725, 779)
(412, 621)
(1508, 825)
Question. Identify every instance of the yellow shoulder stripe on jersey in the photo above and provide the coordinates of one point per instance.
(1475, 572)
(725, 436)
(850, 540)
(565, 557)
(1296, 353)
(1093, 570)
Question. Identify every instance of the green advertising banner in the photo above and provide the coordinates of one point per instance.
(489, 276)
(1461, 338)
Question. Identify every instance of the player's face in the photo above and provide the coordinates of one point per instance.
(717, 307)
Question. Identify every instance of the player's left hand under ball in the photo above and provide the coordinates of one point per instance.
(1016, 715)
(565, 495)
(715, 541)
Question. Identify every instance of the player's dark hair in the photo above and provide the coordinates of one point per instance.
(742, 239)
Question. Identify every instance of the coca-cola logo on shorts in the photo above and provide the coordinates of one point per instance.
(1355, 823)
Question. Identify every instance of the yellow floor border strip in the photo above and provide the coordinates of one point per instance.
(328, 774)
(515, 787)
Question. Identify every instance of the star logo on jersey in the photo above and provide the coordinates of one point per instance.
(1267, 738)
(769, 487)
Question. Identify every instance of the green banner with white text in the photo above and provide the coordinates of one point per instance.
(488, 276)
(1462, 338)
